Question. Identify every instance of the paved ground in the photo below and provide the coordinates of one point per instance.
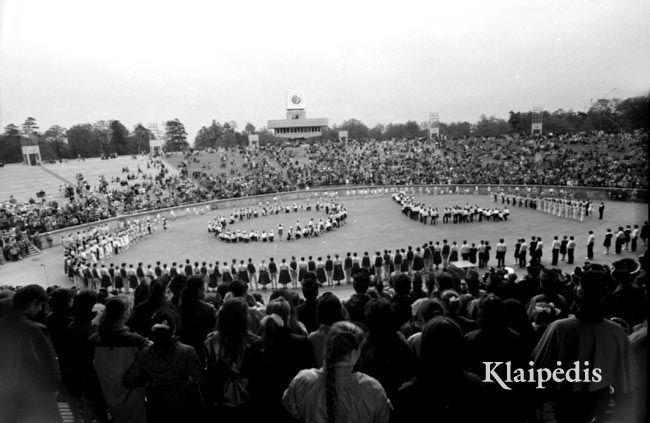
(373, 224)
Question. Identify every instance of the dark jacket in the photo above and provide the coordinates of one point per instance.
(172, 378)
(113, 354)
(307, 315)
(28, 370)
(281, 361)
(445, 401)
(195, 323)
(388, 360)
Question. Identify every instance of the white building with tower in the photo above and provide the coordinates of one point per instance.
(297, 125)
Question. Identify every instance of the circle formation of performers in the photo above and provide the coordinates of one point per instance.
(336, 214)
(453, 214)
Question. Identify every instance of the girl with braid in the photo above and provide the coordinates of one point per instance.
(335, 393)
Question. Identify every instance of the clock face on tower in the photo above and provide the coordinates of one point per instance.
(295, 100)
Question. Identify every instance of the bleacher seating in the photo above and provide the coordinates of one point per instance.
(23, 182)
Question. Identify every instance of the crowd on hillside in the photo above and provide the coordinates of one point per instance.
(600, 160)
(401, 347)
(534, 161)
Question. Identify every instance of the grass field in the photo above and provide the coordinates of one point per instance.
(373, 224)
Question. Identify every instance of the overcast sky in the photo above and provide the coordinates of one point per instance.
(68, 62)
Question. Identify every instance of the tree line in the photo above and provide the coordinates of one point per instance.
(102, 138)
(106, 138)
(608, 115)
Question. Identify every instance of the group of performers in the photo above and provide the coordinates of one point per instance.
(336, 215)
(452, 214)
(561, 207)
(85, 252)
(567, 209)
(335, 269)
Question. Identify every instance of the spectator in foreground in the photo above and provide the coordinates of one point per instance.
(442, 388)
(494, 341)
(356, 304)
(59, 319)
(115, 349)
(232, 353)
(384, 353)
(329, 311)
(284, 355)
(143, 312)
(424, 310)
(335, 393)
(197, 318)
(171, 372)
(29, 374)
(307, 310)
(587, 336)
(79, 375)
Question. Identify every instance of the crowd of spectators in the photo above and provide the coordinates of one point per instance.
(396, 351)
(598, 160)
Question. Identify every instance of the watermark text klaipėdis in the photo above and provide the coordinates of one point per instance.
(503, 373)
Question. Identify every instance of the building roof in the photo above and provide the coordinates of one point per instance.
(296, 123)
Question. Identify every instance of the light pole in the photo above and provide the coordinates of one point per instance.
(47, 282)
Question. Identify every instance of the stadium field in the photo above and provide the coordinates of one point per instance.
(373, 224)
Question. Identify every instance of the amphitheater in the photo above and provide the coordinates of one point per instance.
(374, 222)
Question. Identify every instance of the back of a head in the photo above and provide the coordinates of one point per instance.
(402, 285)
(157, 292)
(473, 280)
(116, 313)
(361, 281)
(279, 307)
(232, 318)
(238, 288)
(492, 312)
(380, 317)
(192, 293)
(417, 281)
(342, 340)
(590, 293)
(26, 295)
(310, 286)
(444, 281)
(442, 347)
(82, 306)
(450, 301)
(516, 315)
(548, 281)
(60, 300)
(162, 329)
(329, 310)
